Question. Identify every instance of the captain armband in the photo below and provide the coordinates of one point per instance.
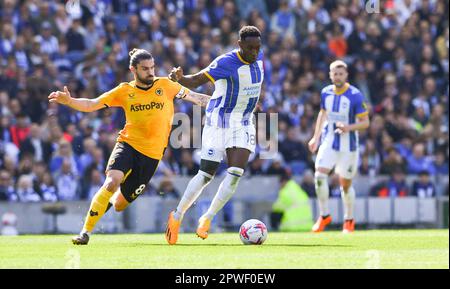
(181, 93)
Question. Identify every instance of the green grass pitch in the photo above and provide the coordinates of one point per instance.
(362, 249)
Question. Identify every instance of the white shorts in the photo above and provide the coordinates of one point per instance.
(216, 140)
(346, 162)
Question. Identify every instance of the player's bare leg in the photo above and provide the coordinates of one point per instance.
(348, 198)
(99, 205)
(119, 202)
(237, 161)
(322, 192)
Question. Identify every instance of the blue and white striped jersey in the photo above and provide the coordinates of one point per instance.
(237, 89)
(341, 106)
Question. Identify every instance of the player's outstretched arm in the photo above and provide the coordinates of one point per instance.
(189, 81)
(197, 98)
(80, 104)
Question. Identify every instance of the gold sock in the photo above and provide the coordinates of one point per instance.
(98, 207)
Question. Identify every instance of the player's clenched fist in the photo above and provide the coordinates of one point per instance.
(176, 74)
(312, 145)
(341, 128)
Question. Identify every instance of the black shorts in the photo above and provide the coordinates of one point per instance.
(138, 169)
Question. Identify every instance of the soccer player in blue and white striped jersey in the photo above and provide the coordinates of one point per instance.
(343, 113)
(229, 128)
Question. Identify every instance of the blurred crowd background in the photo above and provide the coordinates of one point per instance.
(398, 58)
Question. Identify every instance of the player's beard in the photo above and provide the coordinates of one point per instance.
(146, 81)
(339, 84)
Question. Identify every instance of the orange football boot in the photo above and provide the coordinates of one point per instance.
(349, 226)
(173, 226)
(203, 227)
(321, 223)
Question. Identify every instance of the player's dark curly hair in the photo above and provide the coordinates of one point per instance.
(137, 55)
(249, 31)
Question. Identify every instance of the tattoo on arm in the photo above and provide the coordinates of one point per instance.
(199, 98)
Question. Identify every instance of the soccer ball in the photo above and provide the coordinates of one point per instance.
(253, 232)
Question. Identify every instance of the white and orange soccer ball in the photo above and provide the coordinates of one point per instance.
(253, 232)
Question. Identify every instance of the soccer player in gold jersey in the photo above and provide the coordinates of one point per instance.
(149, 109)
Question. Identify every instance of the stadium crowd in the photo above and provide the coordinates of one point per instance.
(398, 58)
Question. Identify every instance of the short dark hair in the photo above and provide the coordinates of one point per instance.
(285, 175)
(249, 31)
(424, 173)
(137, 55)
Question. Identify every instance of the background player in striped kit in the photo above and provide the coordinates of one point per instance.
(343, 113)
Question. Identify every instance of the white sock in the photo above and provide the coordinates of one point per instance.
(348, 198)
(322, 192)
(192, 192)
(85, 232)
(225, 192)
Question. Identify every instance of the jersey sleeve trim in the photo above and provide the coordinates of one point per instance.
(209, 76)
(362, 114)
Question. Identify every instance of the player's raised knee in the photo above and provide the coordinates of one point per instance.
(112, 184)
(113, 181)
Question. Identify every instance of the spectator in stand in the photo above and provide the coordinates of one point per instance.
(283, 21)
(20, 131)
(392, 161)
(292, 149)
(423, 187)
(418, 161)
(440, 164)
(7, 191)
(276, 166)
(48, 42)
(394, 187)
(96, 180)
(337, 44)
(66, 182)
(291, 211)
(167, 189)
(188, 166)
(48, 189)
(256, 166)
(35, 145)
(307, 184)
(61, 154)
(25, 190)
